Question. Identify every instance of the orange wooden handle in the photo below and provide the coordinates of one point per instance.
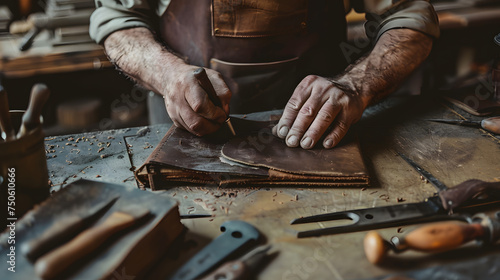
(439, 237)
(375, 247)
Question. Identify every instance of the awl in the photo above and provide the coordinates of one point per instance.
(205, 83)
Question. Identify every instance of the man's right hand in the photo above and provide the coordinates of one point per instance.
(139, 55)
(189, 106)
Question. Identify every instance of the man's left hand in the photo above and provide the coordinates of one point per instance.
(316, 104)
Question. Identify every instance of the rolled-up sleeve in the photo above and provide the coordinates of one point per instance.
(111, 16)
(383, 15)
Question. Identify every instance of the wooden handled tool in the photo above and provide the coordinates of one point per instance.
(31, 118)
(201, 76)
(5, 123)
(55, 262)
(491, 125)
(63, 230)
(435, 237)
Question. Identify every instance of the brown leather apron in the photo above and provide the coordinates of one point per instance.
(262, 48)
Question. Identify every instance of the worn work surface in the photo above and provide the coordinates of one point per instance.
(451, 153)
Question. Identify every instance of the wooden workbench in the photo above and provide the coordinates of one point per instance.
(451, 153)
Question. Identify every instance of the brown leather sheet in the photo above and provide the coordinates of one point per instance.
(255, 156)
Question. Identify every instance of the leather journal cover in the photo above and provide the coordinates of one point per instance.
(253, 157)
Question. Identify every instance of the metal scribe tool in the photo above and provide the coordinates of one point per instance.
(205, 83)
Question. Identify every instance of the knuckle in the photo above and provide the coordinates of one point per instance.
(342, 125)
(293, 104)
(296, 131)
(307, 111)
(197, 106)
(195, 126)
(310, 79)
(325, 116)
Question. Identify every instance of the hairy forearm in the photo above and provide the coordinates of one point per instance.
(138, 54)
(395, 56)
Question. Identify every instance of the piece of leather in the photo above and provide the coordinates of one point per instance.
(272, 152)
(254, 156)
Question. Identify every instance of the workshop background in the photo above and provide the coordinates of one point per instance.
(96, 128)
(88, 94)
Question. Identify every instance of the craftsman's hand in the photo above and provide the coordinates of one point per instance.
(189, 106)
(316, 104)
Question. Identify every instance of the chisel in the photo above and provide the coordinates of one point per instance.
(57, 261)
(31, 118)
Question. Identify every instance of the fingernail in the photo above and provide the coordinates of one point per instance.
(328, 143)
(283, 131)
(306, 143)
(293, 141)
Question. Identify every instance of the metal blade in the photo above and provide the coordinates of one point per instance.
(457, 122)
(379, 217)
(434, 181)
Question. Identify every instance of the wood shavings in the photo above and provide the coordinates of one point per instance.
(105, 155)
(374, 192)
(296, 197)
(400, 199)
(69, 162)
(363, 189)
(111, 137)
(98, 176)
(100, 150)
(275, 194)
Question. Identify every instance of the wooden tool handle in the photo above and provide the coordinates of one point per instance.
(56, 261)
(456, 196)
(491, 124)
(438, 237)
(435, 237)
(376, 247)
(205, 83)
(31, 118)
(5, 123)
